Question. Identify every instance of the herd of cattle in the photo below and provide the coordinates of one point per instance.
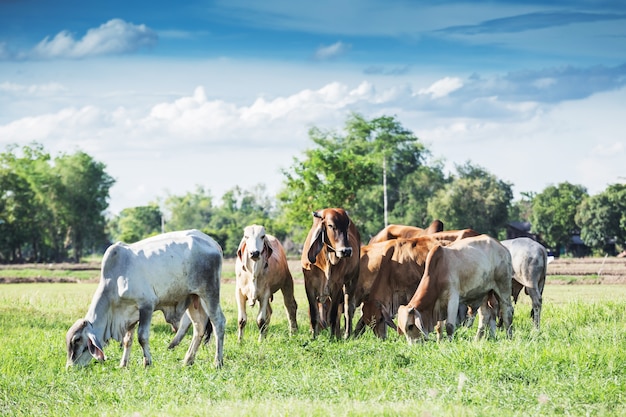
(425, 278)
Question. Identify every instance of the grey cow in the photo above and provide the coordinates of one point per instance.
(174, 272)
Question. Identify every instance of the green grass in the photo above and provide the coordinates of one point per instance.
(576, 365)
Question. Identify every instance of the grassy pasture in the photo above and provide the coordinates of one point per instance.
(576, 365)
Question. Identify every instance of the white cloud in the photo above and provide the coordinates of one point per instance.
(612, 149)
(33, 89)
(331, 51)
(442, 87)
(113, 37)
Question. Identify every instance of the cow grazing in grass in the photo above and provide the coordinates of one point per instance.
(530, 262)
(172, 272)
(261, 269)
(467, 271)
(399, 231)
(389, 274)
(330, 265)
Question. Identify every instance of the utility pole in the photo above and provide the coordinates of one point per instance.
(385, 189)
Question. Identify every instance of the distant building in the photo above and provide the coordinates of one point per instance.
(576, 247)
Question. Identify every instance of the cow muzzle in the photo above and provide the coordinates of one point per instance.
(344, 253)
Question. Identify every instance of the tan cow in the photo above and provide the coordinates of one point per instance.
(467, 271)
(330, 265)
(261, 269)
(389, 274)
(397, 231)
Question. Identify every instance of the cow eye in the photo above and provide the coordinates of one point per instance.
(411, 327)
(263, 237)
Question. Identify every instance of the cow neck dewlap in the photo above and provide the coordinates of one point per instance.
(108, 316)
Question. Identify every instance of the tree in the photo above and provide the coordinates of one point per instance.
(52, 208)
(349, 170)
(476, 200)
(554, 212)
(602, 219)
(189, 211)
(82, 188)
(522, 209)
(239, 209)
(136, 223)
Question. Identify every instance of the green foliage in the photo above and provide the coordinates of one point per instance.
(573, 366)
(51, 209)
(136, 223)
(602, 218)
(476, 200)
(554, 211)
(348, 170)
(189, 211)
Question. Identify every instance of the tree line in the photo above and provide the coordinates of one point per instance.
(54, 209)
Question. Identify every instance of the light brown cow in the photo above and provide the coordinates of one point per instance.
(396, 231)
(466, 271)
(330, 265)
(389, 274)
(261, 269)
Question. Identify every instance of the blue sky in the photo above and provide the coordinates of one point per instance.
(222, 93)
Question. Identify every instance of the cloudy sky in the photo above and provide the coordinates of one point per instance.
(218, 94)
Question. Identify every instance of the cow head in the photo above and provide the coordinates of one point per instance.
(410, 324)
(330, 229)
(253, 252)
(82, 344)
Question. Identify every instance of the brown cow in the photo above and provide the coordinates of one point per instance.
(388, 276)
(466, 271)
(397, 231)
(330, 265)
(390, 273)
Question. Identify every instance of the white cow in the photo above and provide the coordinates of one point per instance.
(172, 272)
(261, 269)
(529, 271)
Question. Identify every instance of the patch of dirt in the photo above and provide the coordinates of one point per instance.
(608, 270)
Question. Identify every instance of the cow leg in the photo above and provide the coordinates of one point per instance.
(314, 309)
(439, 330)
(453, 311)
(127, 343)
(242, 316)
(337, 300)
(211, 306)
(506, 310)
(516, 287)
(359, 329)
(143, 332)
(198, 320)
(183, 326)
(264, 317)
(486, 316)
(290, 305)
(350, 308)
(536, 299)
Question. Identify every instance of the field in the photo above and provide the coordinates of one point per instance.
(576, 364)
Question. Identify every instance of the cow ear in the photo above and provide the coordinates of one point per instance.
(387, 316)
(317, 242)
(268, 247)
(95, 347)
(241, 248)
